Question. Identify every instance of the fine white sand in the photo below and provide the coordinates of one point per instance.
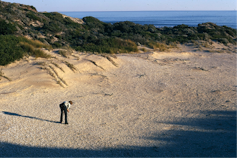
(178, 103)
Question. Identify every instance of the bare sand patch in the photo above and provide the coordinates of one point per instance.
(150, 104)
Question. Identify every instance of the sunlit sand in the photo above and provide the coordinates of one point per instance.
(177, 103)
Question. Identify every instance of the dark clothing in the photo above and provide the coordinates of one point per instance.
(63, 109)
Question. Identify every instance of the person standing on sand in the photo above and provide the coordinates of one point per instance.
(65, 108)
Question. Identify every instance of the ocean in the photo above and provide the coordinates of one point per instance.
(163, 18)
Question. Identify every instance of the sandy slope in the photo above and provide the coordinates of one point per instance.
(150, 104)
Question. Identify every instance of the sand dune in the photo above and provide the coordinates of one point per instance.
(179, 103)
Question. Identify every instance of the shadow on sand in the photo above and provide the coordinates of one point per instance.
(15, 114)
(212, 136)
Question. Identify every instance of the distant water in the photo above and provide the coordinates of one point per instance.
(163, 18)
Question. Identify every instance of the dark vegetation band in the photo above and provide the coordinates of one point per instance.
(90, 34)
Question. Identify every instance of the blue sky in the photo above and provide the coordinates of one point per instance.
(128, 5)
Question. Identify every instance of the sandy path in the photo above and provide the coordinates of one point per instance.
(154, 104)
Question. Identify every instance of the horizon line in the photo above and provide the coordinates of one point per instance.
(140, 11)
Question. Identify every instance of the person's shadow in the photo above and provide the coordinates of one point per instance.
(15, 114)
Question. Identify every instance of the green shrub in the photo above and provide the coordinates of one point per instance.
(7, 28)
(57, 17)
(14, 48)
(57, 44)
(9, 49)
(53, 27)
(93, 23)
(97, 36)
(110, 45)
(32, 7)
(54, 16)
(32, 16)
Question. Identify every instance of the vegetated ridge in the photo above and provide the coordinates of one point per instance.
(54, 30)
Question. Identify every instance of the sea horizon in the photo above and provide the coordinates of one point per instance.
(151, 11)
(162, 18)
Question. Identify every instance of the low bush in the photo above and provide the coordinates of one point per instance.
(94, 35)
(32, 7)
(71, 66)
(39, 53)
(14, 48)
(27, 47)
(32, 47)
(158, 46)
(7, 28)
(10, 49)
(32, 16)
(63, 53)
(111, 45)
(35, 43)
(52, 27)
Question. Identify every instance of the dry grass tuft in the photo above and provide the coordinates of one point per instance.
(2, 75)
(50, 72)
(53, 70)
(60, 83)
(40, 63)
(58, 66)
(63, 53)
(220, 51)
(113, 56)
(77, 57)
(32, 50)
(71, 66)
(41, 54)
(110, 59)
(200, 48)
(66, 51)
(57, 76)
(63, 81)
(38, 44)
(95, 64)
(199, 68)
(143, 49)
(195, 43)
(161, 46)
(54, 74)
(27, 47)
